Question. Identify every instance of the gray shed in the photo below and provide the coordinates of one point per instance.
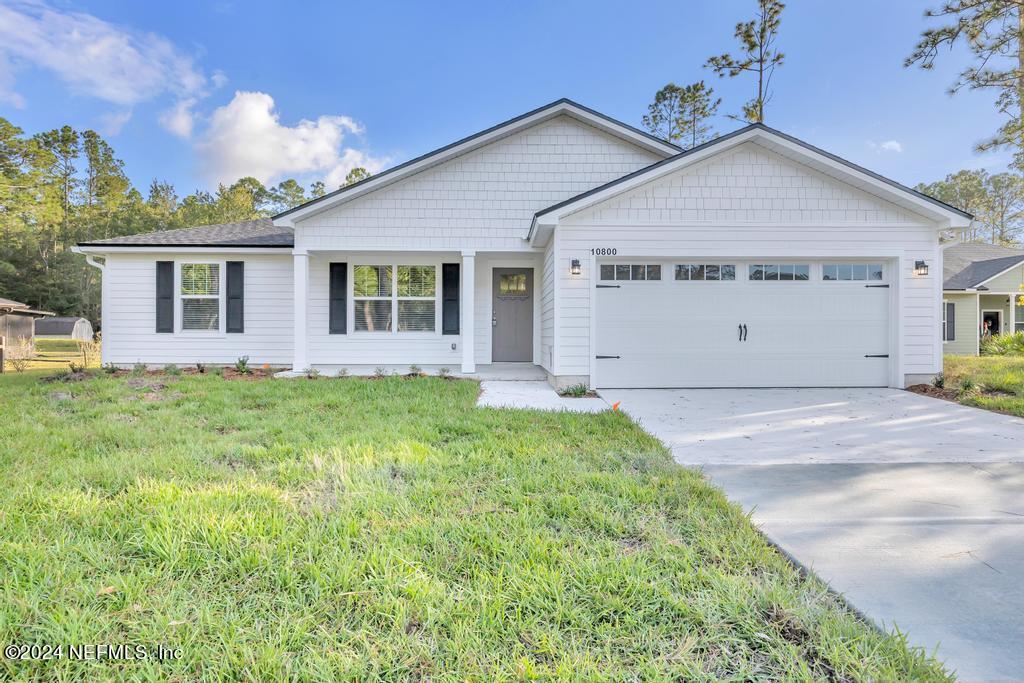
(17, 320)
(78, 329)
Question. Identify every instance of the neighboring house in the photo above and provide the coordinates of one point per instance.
(566, 240)
(982, 292)
(63, 327)
(17, 321)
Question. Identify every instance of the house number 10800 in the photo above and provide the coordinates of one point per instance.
(604, 251)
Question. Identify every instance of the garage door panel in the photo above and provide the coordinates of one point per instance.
(686, 334)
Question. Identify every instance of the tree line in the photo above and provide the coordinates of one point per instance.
(64, 186)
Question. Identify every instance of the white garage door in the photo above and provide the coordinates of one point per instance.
(787, 323)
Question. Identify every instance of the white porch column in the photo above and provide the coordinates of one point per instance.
(1013, 314)
(467, 326)
(299, 309)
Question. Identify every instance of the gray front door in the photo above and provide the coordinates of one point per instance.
(512, 315)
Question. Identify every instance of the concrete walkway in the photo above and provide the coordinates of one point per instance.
(911, 507)
(534, 396)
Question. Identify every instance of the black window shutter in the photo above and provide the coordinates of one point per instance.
(338, 303)
(165, 296)
(950, 322)
(236, 296)
(449, 298)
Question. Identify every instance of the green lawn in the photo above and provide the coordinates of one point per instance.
(388, 529)
(53, 354)
(992, 382)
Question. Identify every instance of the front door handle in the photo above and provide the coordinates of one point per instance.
(741, 331)
(744, 332)
(494, 321)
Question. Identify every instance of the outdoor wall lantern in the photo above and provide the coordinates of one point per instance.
(574, 267)
(920, 268)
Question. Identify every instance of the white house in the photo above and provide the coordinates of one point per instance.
(566, 241)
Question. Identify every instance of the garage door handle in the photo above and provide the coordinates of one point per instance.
(877, 355)
(608, 286)
(878, 286)
(601, 357)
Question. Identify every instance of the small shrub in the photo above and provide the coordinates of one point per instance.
(200, 368)
(76, 368)
(342, 372)
(576, 390)
(242, 366)
(415, 371)
(444, 373)
(217, 371)
(90, 351)
(23, 351)
(1003, 345)
(62, 374)
(172, 369)
(939, 381)
(379, 372)
(311, 373)
(109, 368)
(139, 369)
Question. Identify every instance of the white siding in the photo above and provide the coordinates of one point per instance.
(129, 315)
(482, 200)
(547, 310)
(750, 203)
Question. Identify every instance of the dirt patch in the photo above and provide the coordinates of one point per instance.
(61, 396)
(253, 375)
(77, 376)
(933, 391)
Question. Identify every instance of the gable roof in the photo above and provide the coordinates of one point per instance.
(970, 265)
(560, 107)
(256, 233)
(776, 141)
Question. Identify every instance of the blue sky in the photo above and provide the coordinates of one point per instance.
(336, 84)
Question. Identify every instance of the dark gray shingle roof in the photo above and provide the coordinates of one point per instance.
(257, 233)
(966, 266)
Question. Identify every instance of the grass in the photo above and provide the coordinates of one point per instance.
(387, 529)
(53, 354)
(991, 382)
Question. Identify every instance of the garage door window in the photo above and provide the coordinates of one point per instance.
(846, 272)
(780, 272)
(705, 271)
(626, 271)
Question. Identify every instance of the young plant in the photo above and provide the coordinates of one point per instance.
(939, 381)
(109, 368)
(22, 352)
(139, 369)
(342, 372)
(200, 368)
(172, 369)
(576, 390)
(75, 368)
(415, 371)
(380, 372)
(242, 366)
(311, 373)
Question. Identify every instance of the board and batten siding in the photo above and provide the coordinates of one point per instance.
(484, 199)
(750, 203)
(129, 313)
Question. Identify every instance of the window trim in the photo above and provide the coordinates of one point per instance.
(394, 298)
(810, 265)
(179, 313)
(882, 263)
(736, 267)
(647, 264)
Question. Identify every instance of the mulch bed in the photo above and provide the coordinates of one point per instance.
(934, 392)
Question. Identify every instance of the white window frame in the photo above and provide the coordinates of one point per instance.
(179, 313)
(631, 264)
(885, 271)
(736, 267)
(776, 262)
(395, 264)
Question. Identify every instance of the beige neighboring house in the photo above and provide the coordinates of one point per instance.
(982, 293)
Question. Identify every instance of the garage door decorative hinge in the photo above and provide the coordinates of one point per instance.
(600, 357)
(877, 355)
(609, 286)
(879, 286)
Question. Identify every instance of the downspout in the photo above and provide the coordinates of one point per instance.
(91, 260)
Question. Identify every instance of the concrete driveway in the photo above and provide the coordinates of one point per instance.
(911, 507)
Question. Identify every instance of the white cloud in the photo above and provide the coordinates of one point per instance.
(180, 119)
(887, 146)
(246, 138)
(112, 123)
(93, 57)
